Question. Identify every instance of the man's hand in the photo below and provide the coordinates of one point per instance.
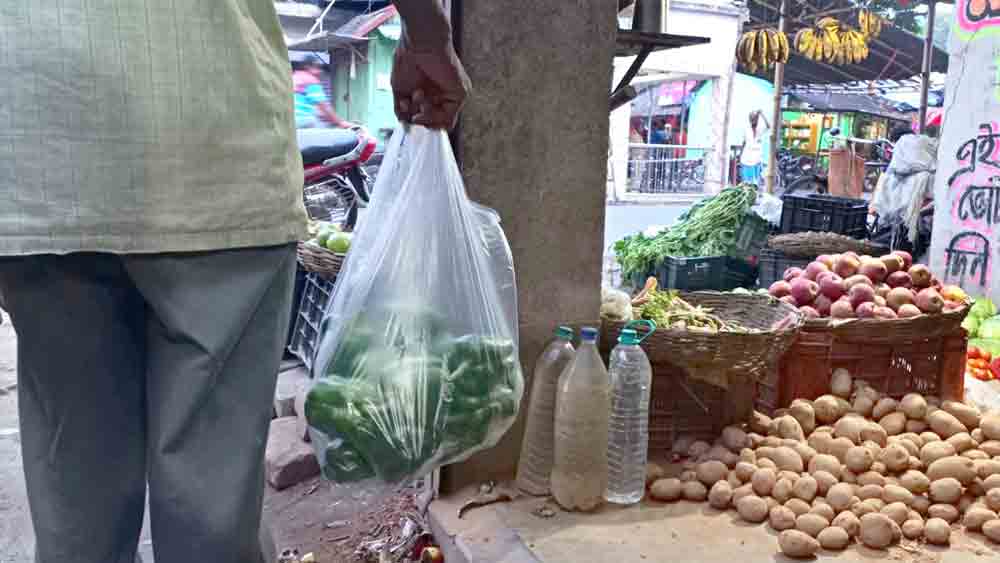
(429, 86)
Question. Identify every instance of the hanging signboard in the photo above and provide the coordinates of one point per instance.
(965, 249)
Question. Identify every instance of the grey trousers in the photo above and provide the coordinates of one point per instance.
(153, 370)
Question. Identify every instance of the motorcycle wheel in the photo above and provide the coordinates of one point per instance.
(806, 184)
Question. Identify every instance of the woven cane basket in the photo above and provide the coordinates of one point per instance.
(812, 244)
(319, 260)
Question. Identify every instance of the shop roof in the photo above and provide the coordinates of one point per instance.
(830, 102)
(896, 55)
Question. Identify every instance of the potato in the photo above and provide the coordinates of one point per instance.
(909, 446)
(965, 502)
(798, 545)
(667, 490)
(740, 492)
(976, 488)
(868, 506)
(756, 440)
(798, 506)
(990, 425)
(961, 442)
(897, 512)
(863, 405)
(820, 441)
(928, 437)
(790, 475)
(934, 451)
(811, 524)
(896, 493)
(879, 467)
(944, 424)
(937, 531)
(752, 509)
(802, 411)
(760, 423)
(966, 414)
(947, 490)
(711, 472)
(721, 453)
(885, 406)
(876, 531)
(787, 459)
(748, 455)
(875, 433)
(824, 480)
(849, 522)
(698, 448)
(921, 504)
(915, 426)
(824, 462)
(993, 499)
(871, 478)
(830, 408)
(848, 476)
(977, 435)
(654, 472)
(841, 383)
(916, 464)
(745, 470)
(838, 448)
(975, 455)
(976, 516)
(721, 495)
(869, 491)
(859, 459)
(915, 482)
(894, 423)
(689, 475)
(787, 427)
(734, 438)
(913, 529)
(734, 480)
(682, 444)
(781, 518)
(914, 438)
(945, 512)
(990, 447)
(823, 509)
(913, 406)
(771, 503)
(959, 467)
(839, 496)
(991, 530)
(986, 467)
(805, 488)
(694, 491)
(991, 482)
(763, 481)
(767, 464)
(782, 490)
(914, 515)
(896, 458)
(933, 401)
(834, 538)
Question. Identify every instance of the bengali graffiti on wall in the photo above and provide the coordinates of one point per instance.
(973, 16)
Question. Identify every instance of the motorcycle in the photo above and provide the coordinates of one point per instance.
(336, 182)
(818, 181)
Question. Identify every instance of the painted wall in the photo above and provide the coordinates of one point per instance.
(749, 93)
(966, 219)
(367, 98)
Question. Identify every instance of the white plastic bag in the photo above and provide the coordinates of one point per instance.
(417, 365)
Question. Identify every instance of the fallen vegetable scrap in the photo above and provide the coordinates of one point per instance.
(851, 466)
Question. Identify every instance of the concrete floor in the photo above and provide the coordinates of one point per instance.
(650, 532)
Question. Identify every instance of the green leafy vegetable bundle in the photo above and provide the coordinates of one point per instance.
(402, 395)
(709, 228)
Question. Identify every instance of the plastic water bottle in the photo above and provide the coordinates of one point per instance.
(534, 469)
(583, 405)
(628, 437)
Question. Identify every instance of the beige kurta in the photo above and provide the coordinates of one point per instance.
(137, 126)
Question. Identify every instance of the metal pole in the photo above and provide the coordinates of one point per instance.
(779, 79)
(925, 70)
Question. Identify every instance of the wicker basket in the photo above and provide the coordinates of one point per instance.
(812, 244)
(319, 260)
(724, 358)
(680, 406)
(893, 331)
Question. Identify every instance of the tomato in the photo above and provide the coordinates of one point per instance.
(985, 355)
(995, 368)
(972, 353)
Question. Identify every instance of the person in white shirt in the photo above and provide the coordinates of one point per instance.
(751, 158)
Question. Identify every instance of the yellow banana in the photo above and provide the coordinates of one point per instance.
(803, 40)
(782, 47)
(749, 51)
(762, 46)
(828, 24)
(739, 49)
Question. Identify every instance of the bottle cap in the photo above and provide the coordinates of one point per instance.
(588, 334)
(564, 333)
(628, 337)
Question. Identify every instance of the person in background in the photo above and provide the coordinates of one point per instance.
(312, 105)
(752, 155)
(149, 275)
(660, 134)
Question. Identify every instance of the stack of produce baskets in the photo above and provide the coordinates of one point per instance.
(704, 379)
(798, 249)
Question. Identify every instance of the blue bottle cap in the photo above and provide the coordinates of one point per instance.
(588, 334)
(628, 337)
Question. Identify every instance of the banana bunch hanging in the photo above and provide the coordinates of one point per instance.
(761, 49)
(830, 42)
(869, 23)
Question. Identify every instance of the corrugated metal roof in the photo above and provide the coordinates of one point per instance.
(831, 101)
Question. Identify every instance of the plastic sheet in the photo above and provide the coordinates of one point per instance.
(908, 182)
(417, 365)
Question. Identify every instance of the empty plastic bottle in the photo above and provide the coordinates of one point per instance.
(628, 433)
(583, 405)
(534, 469)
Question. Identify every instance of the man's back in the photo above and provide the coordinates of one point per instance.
(145, 126)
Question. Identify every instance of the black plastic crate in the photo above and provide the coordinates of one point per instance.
(751, 236)
(773, 264)
(824, 213)
(305, 336)
(720, 273)
(300, 284)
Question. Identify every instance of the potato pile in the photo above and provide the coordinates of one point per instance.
(851, 465)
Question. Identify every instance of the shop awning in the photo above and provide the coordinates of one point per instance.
(354, 30)
(896, 55)
(832, 102)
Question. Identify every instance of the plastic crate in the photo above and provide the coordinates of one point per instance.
(305, 336)
(823, 213)
(751, 236)
(933, 366)
(772, 265)
(719, 273)
(300, 284)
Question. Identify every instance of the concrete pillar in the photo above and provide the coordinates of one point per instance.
(534, 146)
